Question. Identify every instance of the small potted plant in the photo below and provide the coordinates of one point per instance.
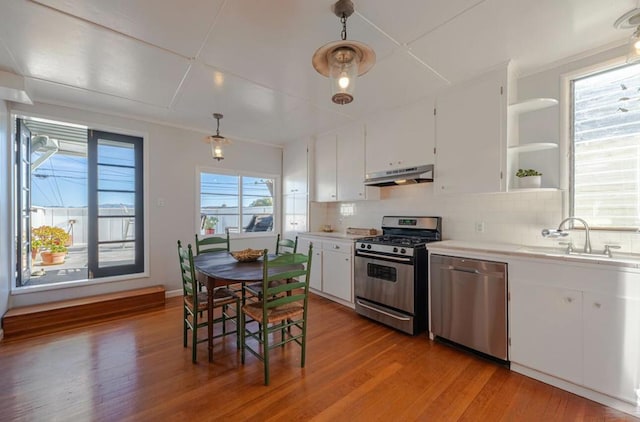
(210, 224)
(529, 178)
(51, 242)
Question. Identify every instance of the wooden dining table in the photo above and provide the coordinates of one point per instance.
(221, 269)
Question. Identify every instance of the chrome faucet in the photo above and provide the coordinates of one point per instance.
(587, 241)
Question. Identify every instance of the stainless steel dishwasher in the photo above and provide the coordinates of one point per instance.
(469, 303)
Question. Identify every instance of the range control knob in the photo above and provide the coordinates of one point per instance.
(403, 250)
(395, 250)
(368, 246)
(362, 246)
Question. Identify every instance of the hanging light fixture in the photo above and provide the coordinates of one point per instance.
(217, 141)
(343, 61)
(629, 20)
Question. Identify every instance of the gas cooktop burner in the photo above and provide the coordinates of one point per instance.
(410, 241)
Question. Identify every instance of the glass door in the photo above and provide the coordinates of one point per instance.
(23, 194)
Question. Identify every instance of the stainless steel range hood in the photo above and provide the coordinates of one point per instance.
(404, 176)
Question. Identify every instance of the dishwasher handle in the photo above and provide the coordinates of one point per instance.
(475, 271)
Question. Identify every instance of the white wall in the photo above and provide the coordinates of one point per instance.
(5, 210)
(514, 217)
(170, 172)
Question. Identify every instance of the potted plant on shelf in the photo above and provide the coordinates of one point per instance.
(51, 242)
(210, 224)
(529, 178)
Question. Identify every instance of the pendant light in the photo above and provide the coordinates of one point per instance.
(217, 141)
(629, 20)
(343, 61)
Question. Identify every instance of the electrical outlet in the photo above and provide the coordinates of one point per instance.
(480, 226)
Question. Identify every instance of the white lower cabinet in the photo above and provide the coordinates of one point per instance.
(577, 323)
(612, 344)
(546, 329)
(331, 267)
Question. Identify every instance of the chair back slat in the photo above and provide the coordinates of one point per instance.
(187, 271)
(285, 246)
(286, 267)
(212, 244)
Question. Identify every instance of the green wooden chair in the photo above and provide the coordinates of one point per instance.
(212, 244)
(195, 304)
(283, 308)
(283, 246)
(286, 245)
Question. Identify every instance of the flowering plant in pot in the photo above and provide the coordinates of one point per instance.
(210, 224)
(529, 178)
(51, 242)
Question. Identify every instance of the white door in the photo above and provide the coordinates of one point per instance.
(325, 169)
(336, 274)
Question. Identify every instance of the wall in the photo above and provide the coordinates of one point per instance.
(170, 170)
(5, 209)
(514, 217)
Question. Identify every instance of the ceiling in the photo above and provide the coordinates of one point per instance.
(177, 62)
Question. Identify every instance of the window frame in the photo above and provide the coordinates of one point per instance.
(566, 136)
(240, 173)
(16, 113)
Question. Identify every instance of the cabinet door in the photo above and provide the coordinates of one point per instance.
(403, 137)
(546, 329)
(350, 168)
(325, 168)
(315, 278)
(470, 136)
(612, 345)
(336, 274)
(294, 214)
(294, 167)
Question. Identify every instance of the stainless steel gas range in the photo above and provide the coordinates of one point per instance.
(390, 272)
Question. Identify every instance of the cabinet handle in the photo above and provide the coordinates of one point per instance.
(597, 305)
(568, 299)
(336, 247)
(346, 259)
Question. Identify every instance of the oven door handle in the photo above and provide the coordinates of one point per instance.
(382, 312)
(391, 258)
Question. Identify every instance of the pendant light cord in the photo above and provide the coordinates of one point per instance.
(343, 20)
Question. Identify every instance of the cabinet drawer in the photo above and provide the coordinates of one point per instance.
(337, 246)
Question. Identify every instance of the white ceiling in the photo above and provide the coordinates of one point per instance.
(177, 62)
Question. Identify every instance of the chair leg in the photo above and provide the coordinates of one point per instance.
(242, 336)
(185, 327)
(265, 351)
(237, 323)
(304, 342)
(194, 340)
(282, 333)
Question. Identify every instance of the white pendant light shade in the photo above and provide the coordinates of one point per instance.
(630, 20)
(633, 51)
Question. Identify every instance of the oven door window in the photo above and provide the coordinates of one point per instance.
(382, 272)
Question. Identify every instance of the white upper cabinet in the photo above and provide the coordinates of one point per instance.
(326, 168)
(339, 166)
(471, 135)
(402, 137)
(295, 168)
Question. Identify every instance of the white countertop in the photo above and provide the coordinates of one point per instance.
(618, 259)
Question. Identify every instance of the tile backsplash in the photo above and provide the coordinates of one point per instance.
(513, 217)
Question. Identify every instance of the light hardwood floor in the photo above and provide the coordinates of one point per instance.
(136, 369)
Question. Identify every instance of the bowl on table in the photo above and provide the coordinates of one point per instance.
(247, 255)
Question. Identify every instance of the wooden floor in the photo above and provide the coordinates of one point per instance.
(136, 369)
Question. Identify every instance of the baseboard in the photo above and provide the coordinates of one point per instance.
(173, 293)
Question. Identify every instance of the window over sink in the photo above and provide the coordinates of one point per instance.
(605, 147)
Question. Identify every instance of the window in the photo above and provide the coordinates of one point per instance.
(237, 203)
(85, 186)
(605, 158)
